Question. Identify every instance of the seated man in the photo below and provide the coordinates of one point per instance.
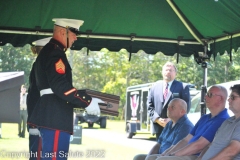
(203, 132)
(226, 143)
(175, 130)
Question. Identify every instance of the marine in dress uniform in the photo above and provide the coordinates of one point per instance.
(32, 98)
(53, 113)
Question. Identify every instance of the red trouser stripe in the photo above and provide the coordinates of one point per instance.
(55, 144)
(39, 148)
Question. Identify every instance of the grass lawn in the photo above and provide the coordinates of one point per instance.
(12, 147)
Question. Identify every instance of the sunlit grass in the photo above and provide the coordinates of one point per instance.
(12, 146)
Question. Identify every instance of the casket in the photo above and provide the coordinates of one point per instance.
(110, 107)
(10, 84)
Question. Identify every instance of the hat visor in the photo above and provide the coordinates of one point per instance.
(74, 30)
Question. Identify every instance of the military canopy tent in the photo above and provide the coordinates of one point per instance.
(169, 26)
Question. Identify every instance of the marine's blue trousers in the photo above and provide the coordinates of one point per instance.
(55, 144)
(35, 147)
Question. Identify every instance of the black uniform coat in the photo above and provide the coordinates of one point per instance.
(33, 94)
(52, 70)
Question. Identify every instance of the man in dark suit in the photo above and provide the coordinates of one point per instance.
(161, 94)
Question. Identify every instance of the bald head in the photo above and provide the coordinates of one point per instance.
(180, 103)
(216, 98)
(65, 37)
(56, 29)
(176, 109)
(220, 90)
(59, 34)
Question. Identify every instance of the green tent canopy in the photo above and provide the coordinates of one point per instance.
(169, 26)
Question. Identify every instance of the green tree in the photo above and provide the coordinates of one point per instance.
(16, 59)
(112, 72)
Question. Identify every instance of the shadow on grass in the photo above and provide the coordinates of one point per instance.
(91, 128)
(145, 139)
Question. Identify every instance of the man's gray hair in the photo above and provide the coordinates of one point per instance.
(170, 64)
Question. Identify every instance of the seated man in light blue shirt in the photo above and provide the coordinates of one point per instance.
(174, 131)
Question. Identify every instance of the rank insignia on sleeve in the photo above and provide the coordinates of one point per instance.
(70, 91)
(60, 67)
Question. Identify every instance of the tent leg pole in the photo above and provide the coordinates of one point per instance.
(204, 89)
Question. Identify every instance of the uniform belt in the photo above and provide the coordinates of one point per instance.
(46, 91)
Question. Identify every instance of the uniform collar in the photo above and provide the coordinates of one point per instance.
(58, 44)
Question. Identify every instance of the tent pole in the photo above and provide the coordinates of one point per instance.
(204, 86)
(180, 16)
(204, 89)
(225, 38)
(98, 36)
(230, 52)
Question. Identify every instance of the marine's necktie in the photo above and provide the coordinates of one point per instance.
(165, 92)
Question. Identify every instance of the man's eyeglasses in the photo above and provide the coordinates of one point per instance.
(211, 94)
(232, 97)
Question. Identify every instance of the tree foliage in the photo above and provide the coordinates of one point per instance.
(112, 72)
(16, 59)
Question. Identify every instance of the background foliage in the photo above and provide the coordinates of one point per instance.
(112, 72)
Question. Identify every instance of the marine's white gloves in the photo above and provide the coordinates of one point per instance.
(93, 108)
(34, 131)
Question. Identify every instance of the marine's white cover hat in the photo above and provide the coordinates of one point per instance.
(68, 23)
(41, 42)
